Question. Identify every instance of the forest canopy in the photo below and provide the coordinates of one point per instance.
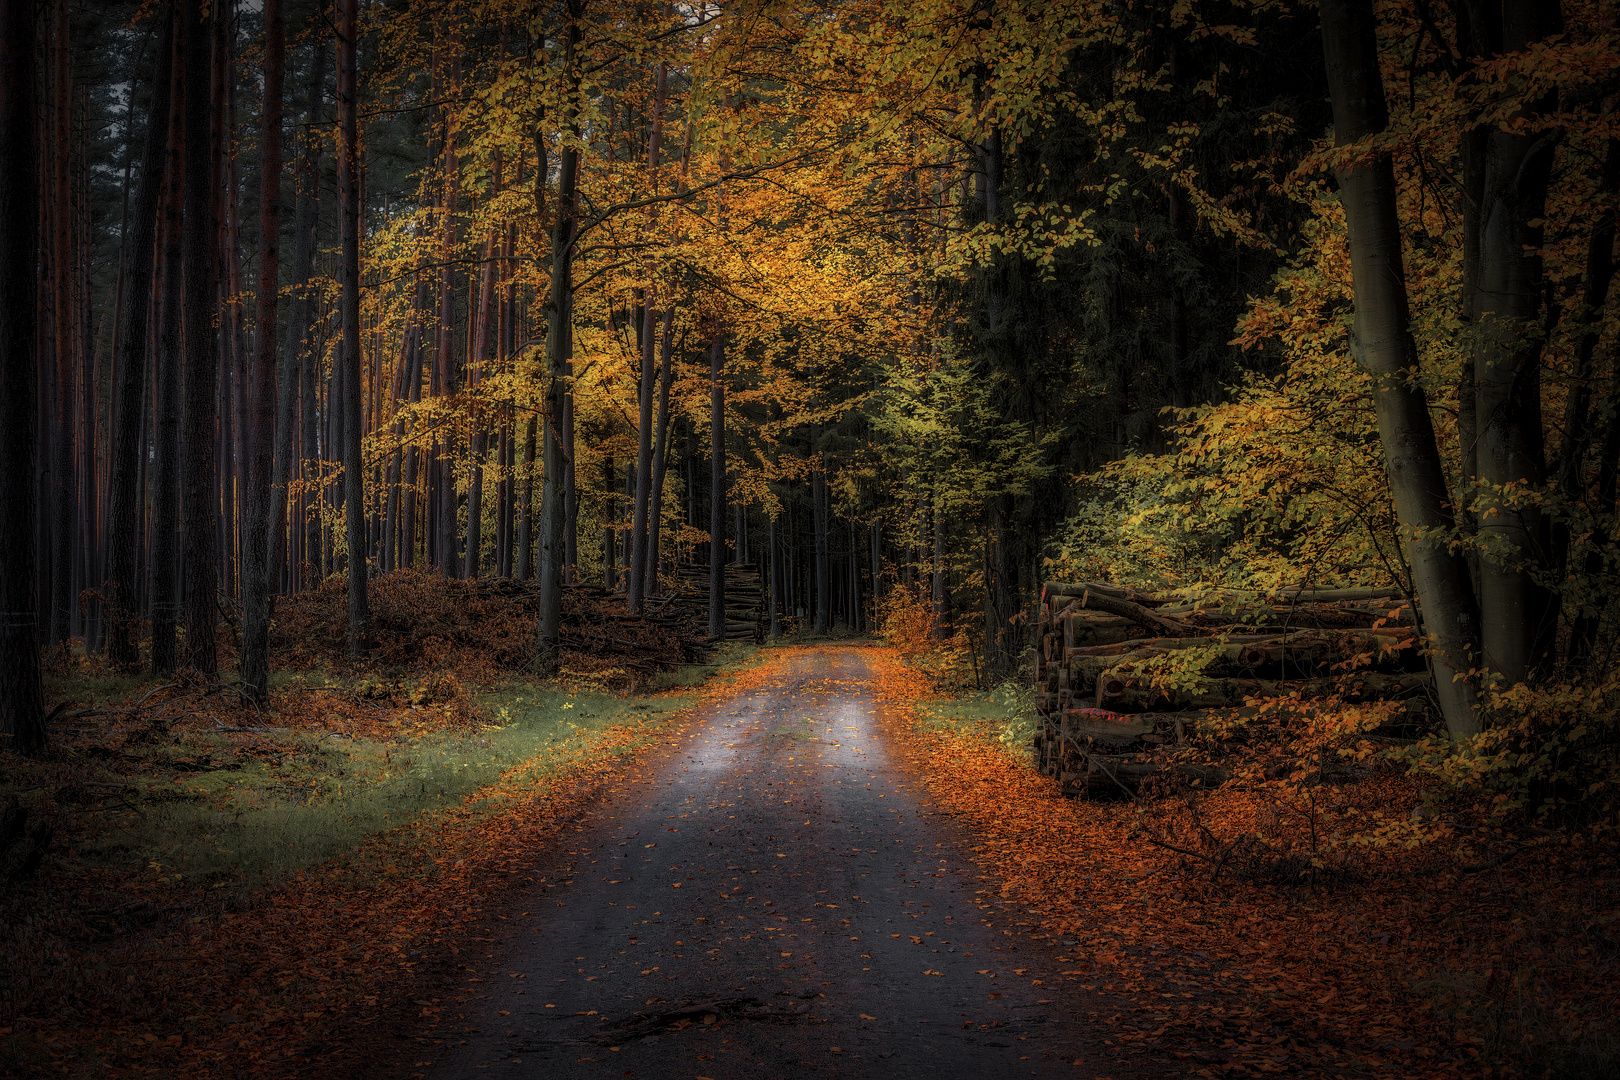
(897, 305)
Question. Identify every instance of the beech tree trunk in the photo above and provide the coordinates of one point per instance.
(1507, 377)
(480, 432)
(349, 279)
(818, 499)
(22, 700)
(717, 485)
(1383, 344)
(559, 346)
(660, 454)
(258, 550)
(525, 540)
(775, 579)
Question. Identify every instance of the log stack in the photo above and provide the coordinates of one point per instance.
(1104, 721)
(745, 611)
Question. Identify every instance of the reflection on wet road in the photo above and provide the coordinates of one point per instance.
(773, 902)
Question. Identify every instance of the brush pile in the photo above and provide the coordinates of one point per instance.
(481, 627)
(1122, 676)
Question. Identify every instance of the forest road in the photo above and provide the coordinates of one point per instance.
(774, 900)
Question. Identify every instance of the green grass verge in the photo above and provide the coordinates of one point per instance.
(1006, 713)
(254, 818)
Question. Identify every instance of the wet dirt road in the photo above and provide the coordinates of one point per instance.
(773, 901)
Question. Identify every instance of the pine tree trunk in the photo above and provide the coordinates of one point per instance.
(1383, 343)
(166, 405)
(60, 337)
(22, 705)
(349, 280)
(199, 508)
(257, 548)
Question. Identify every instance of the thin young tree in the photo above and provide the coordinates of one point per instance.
(298, 352)
(717, 482)
(258, 547)
(349, 273)
(22, 716)
(166, 405)
(124, 518)
(198, 506)
(559, 345)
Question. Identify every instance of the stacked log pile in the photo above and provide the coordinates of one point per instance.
(1104, 722)
(745, 599)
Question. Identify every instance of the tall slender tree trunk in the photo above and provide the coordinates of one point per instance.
(570, 491)
(480, 430)
(299, 349)
(22, 702)
(349, 210)
(257, 549)
(775, 579)
(646, 386)
(645, 393)
(166, 404)
(128, 438)
(444, 366)
(819, 515)
(232, 349)
(525, 514)
(198, 503)
(61, 336)
(1578, 429)
(610, 521)
(717, 482)
(1383, 344)
(660, 456)
(559, 345)
(1507, 375)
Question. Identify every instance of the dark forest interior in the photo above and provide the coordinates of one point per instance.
(416, 417)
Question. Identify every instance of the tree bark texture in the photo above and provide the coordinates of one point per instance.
(1384, 346)
(717, 484)
(22, 703)
(258, 550)
(128, 442)
(1507, 377)
(349, 270)
(559, 345)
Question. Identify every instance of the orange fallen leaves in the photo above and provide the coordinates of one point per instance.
(1392, 970)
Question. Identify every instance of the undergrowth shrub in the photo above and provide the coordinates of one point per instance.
(1291, 757)
(1551, 756)
(906, 620)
